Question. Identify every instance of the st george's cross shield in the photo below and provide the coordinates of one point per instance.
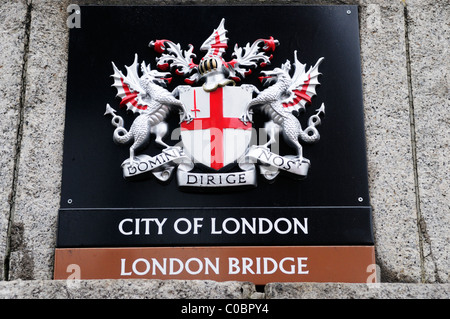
(216, 136)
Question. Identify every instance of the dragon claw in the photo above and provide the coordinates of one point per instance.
(186, 118)
(133, 160)
(245, 119)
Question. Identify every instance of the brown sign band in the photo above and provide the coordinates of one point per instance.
(259, 265)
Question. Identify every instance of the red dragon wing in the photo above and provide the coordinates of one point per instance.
(303, 87)
(216, 44)
(128, 87)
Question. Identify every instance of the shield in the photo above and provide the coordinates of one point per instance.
(216, 136)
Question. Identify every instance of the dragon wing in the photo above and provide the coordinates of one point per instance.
(303, 87)
(129, 88)
(216, 44)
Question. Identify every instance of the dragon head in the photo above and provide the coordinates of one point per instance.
(159, 78)
(270, 77)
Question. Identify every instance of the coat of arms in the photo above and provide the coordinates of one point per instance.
(215, 110)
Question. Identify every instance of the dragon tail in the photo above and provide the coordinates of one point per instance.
(311, 134)
(120, 135)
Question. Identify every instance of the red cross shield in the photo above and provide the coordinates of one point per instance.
(216, 136)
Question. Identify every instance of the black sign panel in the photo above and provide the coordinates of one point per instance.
(237, 226)
(101, 208)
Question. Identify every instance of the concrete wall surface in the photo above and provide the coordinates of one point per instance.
(405, 71)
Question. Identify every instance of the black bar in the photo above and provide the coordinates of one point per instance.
(215, 226)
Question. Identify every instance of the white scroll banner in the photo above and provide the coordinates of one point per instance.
(161, 165)
(244, 178)
(277, 162)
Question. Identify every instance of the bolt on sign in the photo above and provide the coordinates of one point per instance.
(204, 142)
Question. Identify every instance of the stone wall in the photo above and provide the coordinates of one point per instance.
(405, 71)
